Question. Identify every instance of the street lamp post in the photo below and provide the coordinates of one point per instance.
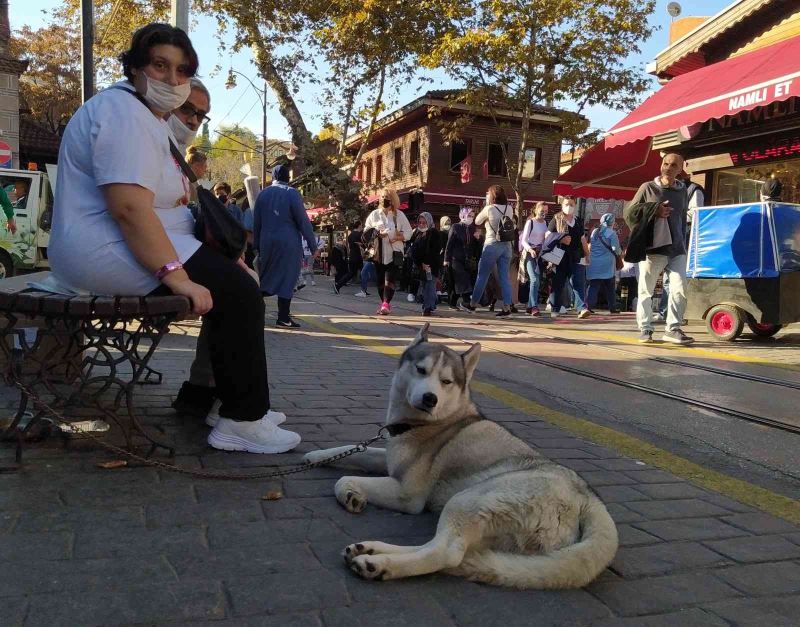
(262, 95)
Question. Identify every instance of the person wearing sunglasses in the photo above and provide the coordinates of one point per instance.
(186, 120)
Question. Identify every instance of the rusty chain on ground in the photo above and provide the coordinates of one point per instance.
(60, 422)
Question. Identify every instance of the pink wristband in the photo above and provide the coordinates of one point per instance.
(172, 266)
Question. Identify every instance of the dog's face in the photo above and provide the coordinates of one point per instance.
(432, 382)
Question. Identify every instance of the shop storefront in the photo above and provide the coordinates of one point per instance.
(737, 123)
(736, 155)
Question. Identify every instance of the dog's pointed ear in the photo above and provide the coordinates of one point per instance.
(470, 360)
(422, 335)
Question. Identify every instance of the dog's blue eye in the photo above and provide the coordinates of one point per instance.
(420, 370)
(446, 381)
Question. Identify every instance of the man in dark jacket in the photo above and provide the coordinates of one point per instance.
(657, 219)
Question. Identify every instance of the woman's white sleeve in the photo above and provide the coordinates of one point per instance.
(123, 147)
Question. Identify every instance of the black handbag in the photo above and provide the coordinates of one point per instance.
(213, 223)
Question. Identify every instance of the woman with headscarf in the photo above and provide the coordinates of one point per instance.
(460, 258)
(604, 249)
(393, 229)
(279, 222)
(426, 255)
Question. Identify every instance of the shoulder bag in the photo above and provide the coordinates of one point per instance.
(618, 260)
(213, 223)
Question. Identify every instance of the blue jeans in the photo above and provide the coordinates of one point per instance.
(496, 254)
(579, 286)
(429, 298)
(534, 275)
(367, 275)
(595, 285)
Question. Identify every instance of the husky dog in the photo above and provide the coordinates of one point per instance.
(509, 516)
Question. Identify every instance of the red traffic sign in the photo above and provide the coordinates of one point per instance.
(5, 154)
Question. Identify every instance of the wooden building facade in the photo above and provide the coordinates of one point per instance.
(407, 151)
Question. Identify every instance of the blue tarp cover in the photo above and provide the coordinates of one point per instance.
(745, 241)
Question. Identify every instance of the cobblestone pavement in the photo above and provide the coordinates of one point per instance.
(80, 545)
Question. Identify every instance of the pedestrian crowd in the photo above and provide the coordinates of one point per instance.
(485, 257)
(130, 219)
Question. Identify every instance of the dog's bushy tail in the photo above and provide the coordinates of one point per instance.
(573, 566)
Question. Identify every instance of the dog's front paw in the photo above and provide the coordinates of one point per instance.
(349, 495)
(354, 550)
(374, 567)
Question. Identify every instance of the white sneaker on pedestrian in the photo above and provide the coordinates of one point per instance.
(275, 417)
(410, 298)
(549, 307)
(360, 294)
(260, 436)
(563, 310)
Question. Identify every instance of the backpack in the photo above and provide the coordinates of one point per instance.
(506, 231)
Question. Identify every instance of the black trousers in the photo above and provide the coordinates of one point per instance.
(386, 273)
(235, 328)
(353, 271)
(562, 275)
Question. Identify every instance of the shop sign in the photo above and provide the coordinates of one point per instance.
(757, 96)
(774, 111)
(785, 149)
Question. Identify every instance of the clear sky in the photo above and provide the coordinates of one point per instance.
(241, 104)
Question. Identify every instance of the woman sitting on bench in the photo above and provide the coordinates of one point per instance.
(121, 227)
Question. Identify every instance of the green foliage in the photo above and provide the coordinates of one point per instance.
(521, 55)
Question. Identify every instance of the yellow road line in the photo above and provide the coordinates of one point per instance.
(627, 445)
(699, 352)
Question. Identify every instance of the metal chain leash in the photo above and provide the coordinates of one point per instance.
(62, 423)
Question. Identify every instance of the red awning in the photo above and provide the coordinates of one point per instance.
(315, 212)
(610, 173)
(729, 87)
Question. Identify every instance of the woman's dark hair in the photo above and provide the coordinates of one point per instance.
(138, 55)
(497, 195)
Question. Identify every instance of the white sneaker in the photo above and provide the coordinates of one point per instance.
(563, 310)
(549, 307)
(275, 417)
(360, 294)
(260, 436)
(411, 298)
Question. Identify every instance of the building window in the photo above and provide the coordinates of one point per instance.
(413, 157)
(459, 151)
(378, 169)
(360, 172)
(496, 164)
(398, 160)
(369, 172)
(532, 169)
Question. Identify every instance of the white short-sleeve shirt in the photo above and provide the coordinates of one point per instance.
(114, 138)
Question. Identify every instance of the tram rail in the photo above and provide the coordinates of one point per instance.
(746, 416)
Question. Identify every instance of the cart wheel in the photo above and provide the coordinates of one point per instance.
(725, 322)
(762, 329)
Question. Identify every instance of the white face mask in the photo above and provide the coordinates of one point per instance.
(568, 210)
(183, 134)
(163, 97)
(422, 229)
(468, 220)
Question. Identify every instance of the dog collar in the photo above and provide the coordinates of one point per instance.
(399, 428)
